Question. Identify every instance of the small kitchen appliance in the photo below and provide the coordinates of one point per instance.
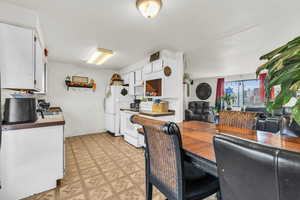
(135, 105)
(19, 110)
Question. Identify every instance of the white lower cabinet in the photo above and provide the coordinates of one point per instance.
(31, 161)
(129, 129)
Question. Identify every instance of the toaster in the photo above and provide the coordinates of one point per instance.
(19, 110)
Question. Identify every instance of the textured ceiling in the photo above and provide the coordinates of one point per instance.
(218, 37)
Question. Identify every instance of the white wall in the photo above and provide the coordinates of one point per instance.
(83, 109)
(212, 81)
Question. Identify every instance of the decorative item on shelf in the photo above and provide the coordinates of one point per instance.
(93, 84)
(154, 56)
(80, 82)
(116, 80)
(68, 80)
(80, 79)
(167, 71)
(283, 70)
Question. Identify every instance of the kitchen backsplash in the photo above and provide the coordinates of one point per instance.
(5, 93)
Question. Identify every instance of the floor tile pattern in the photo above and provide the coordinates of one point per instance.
(101, 167)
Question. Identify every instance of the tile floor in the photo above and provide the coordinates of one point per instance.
(101, 167)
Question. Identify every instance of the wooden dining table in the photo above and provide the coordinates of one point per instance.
(197, 141)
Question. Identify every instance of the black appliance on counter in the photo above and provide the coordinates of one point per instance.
(43, 106)
(136, 104)
(19, 110)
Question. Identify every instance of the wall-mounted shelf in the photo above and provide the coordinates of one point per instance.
(74, 85)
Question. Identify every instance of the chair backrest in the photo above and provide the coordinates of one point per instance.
(249, 171)
(244, 120)
(163, 156)
(198, 106)
(290, 128)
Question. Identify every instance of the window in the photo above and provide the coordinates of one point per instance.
(246, 92)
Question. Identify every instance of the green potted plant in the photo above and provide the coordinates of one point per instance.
(283, 69)
(229, 99)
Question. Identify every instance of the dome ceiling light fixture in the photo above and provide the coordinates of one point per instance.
(149, 8)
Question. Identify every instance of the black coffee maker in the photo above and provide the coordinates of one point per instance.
(136, 104)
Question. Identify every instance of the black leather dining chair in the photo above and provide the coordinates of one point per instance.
(166, 168)
(251, 171)
(290, 128)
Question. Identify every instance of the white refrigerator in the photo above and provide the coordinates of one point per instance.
(118, 98)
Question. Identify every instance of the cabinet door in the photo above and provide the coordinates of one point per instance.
(39, 67)
(32, 158)
(131, 83)
(17, 52)
(123, 123)
(138, 77)
(147, 68)
(157, 65)
(126, 78)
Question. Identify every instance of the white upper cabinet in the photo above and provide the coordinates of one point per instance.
(39, 67)
(147, 68)
(126, 78)
(22, 59)
(138, 77)
(17, 54)
(157, 65)
(131, 83)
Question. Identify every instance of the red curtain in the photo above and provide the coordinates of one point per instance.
(220, 88)
(262, 90)
(220, 92)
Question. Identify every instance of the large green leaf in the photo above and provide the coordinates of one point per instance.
(295, 86)
(292, 60)
(283, 67)
(294, 41)
(273, 53)
(281, 49)
(296, 112)
(282, 98)
(278, 62)
(287, 76)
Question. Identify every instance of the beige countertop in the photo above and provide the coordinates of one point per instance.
(49, 120)
(157, 114)
(151, 114)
